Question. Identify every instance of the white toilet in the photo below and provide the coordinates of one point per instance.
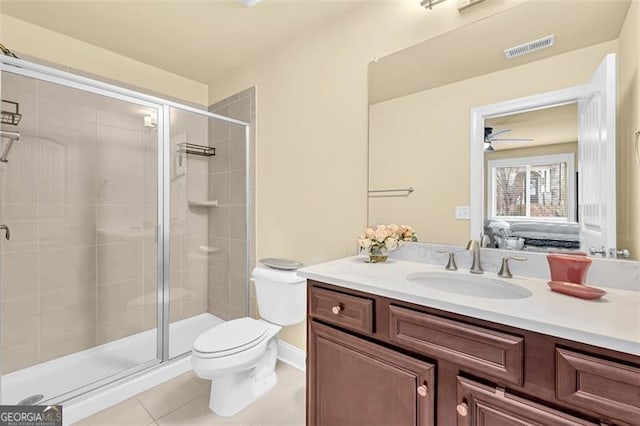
(240, 355)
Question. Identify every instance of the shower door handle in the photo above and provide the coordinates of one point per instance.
(7, 231)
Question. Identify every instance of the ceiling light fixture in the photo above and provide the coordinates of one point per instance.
(249, 3)
(428, 4)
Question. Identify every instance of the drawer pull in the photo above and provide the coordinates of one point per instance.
(422, 390)
(336, 309)
(462, 409)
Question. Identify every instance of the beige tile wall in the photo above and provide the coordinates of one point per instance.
(227, 231)
(189, 223)
(48, 307)
(126, 191)
(79, 193)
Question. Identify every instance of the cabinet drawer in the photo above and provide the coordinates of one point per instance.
(351, 312)
(479, 350)
(602, 386)
(481, 405)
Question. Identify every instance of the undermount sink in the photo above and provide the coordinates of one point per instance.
(469, 285)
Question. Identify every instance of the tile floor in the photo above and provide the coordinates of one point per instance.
(185, 401)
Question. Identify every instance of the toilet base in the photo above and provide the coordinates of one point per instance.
(227, 403)
(232, 393)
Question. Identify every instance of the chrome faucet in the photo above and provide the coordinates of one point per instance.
(451, 263)
(476, 267)
(504, 271)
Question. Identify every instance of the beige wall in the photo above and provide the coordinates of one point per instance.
(312, 126)
(70, 53)
(628, 123)
(422, 140)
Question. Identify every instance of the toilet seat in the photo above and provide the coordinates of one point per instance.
(230, 338)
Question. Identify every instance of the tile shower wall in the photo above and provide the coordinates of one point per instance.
(190, 249)
(126, 188)
(227, 230)
(79, 193)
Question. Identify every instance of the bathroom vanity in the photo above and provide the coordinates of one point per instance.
(384, 351)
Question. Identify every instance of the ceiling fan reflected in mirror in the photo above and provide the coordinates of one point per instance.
(490, 136)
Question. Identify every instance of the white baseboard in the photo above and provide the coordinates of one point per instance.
(292, 355)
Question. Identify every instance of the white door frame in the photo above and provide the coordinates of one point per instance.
(476, 139)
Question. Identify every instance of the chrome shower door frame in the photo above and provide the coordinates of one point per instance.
(163, 233)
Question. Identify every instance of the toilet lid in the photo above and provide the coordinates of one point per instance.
(232, 335)
(282, 264)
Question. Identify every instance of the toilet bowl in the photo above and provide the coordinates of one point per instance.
(239, 356)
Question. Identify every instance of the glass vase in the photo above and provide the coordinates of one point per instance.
(378, 254)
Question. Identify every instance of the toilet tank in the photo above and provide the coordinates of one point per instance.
(281, 295)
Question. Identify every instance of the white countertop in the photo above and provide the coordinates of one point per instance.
(611, 322)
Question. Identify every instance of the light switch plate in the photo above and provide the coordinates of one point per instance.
(463, 213)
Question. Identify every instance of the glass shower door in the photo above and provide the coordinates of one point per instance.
(79, 276)
(208, 212)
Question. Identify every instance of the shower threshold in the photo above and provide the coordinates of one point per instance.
(53, 379)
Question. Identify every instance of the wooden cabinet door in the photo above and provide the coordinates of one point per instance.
(480, 405)
(353, 382)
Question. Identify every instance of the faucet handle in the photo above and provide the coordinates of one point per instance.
(504, 271)
(451, 263)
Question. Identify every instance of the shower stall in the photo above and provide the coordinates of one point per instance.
(128, 237)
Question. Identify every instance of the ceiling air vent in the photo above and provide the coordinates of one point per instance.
(532, 46)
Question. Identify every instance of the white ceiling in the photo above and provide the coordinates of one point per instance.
(198, 39)
(478, 48)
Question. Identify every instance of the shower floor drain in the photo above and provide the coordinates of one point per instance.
(31, 400)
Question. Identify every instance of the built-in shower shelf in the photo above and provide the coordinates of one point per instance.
(203, 252)
(209, 249)
(203, 203)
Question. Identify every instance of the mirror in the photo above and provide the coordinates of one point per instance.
(557, 193)
(421, 128)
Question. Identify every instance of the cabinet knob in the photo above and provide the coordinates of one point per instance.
(462, 409)
(422, 390)
(336, 309)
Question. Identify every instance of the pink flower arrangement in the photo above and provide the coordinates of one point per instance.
(388, 237)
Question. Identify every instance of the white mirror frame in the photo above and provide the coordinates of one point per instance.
(476, 139)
